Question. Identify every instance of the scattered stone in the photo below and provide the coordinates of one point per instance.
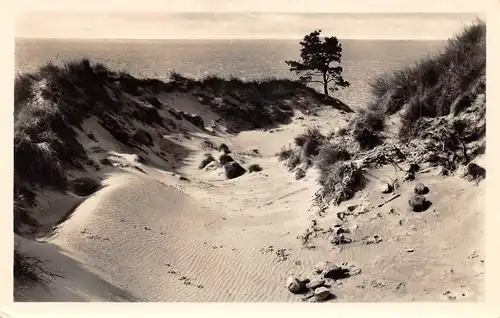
(319, 267)
(333, 271)
(225, 158)
(420, 189)
(474, 172)
(315, 283)
(294, 285)
(234, 170)
(322, 293)
(417, 203)
(386, 188)
(351, 208)
(207, 158)
(368, 240)
(224, 148)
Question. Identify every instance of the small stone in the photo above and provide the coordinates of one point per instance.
(386, 188)
(332, 271)
(319, 267)
(417, 203)
(322, 293)
(315, 283)
(294, 285)
(420, 188)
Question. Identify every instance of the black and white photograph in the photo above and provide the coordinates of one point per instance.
(249, 157)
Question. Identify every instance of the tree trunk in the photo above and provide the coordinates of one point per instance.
(325, 84)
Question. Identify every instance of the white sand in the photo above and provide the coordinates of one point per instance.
(154, 237)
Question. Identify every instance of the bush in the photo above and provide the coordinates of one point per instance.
(366, 128)
(300, 173)
(254, 168)
(330, 154)
(474, 172)
(224, 148)
(285, 153)
(84, 186)
(340, 181)
(225, 158)
(430, 86)
(30, 270)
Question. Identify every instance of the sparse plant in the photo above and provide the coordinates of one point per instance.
(207, 158)
(339, 181)
(225, 158)
(254, 168)
(84, 186)
(285, 153)
(300, 173)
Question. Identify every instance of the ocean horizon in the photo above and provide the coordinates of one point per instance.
(362, 60)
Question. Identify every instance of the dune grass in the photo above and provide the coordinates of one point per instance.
(436, 85)
(441, 102)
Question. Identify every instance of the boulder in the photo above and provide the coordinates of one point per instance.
(417, 203)
(234, 170)
(332, 271)
(294, 285)
(322, 293)
(225, 158)
(315, 283)
(319, 267)
(420, 188)
(386, 188)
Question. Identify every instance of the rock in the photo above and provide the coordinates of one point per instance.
(322, 293)
(417, 203)
(233, 170)
(420, 188)
(332, 271)
(315, 283)
(386, 188)
(319, 267)
(294, 285)
(225, 149)
(225, 158)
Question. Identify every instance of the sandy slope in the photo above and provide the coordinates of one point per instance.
(152, 236)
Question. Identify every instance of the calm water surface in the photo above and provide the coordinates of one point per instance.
(247, 59)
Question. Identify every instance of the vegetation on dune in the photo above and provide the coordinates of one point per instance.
(320, 62)
(441, 103)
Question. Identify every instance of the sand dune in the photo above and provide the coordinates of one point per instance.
(217, 190)
(151, 236)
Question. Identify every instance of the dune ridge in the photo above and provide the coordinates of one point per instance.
(110, 195)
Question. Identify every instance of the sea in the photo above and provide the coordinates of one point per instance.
(362, 60)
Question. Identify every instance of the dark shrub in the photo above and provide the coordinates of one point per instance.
(224, 148)
(285, 153)
(475, 172)
(330, 154)
(300, 173)
(340, 182)
(84, 186)
(30, 270)
(225, 158)
(254, 168)
(143, 137)
(206, 160)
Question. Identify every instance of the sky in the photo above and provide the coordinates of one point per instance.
(237, 25)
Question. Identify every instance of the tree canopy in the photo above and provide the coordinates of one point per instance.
(320, 62)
